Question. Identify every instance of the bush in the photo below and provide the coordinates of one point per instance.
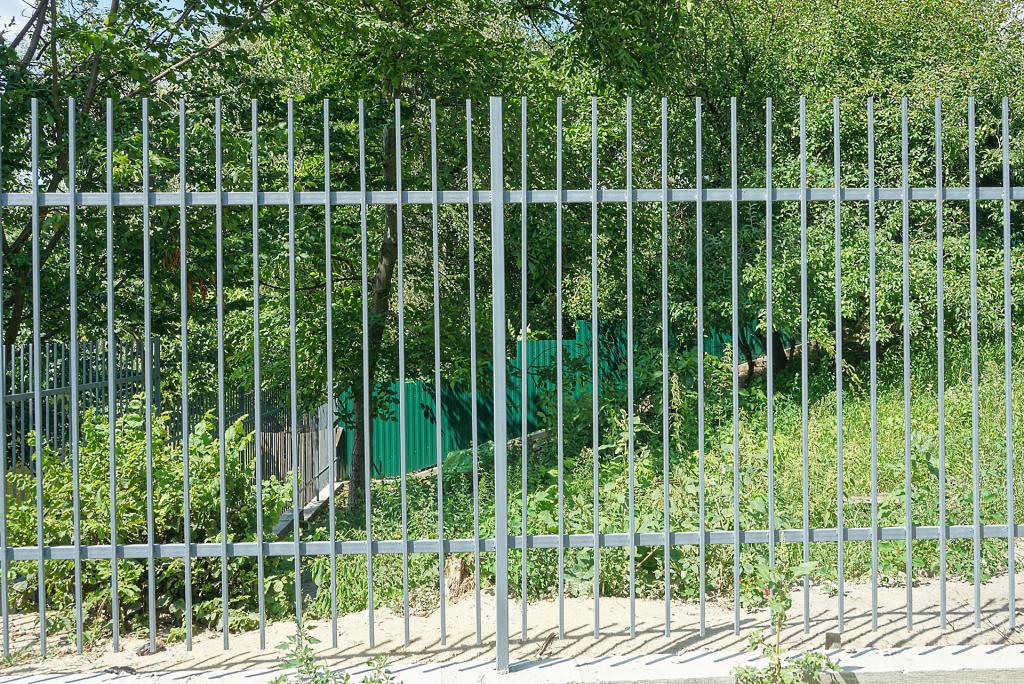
(542, 494)
(168, 512)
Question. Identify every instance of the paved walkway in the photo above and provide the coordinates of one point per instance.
(1002, 664)
(992, 652)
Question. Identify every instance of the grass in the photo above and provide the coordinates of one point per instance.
(683, 480)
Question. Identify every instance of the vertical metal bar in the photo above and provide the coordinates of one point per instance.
(4, 446)
(52, 381)
(329, 302)
(525, 359)
(907, 483)
(294, 382)
(60, 383)
(4, 614)
(22, 405)
(940, 315)
(46, 383)
(89, 369)
(221, 417)
(839, 358)
(667, 550)
(115, 607)
(15, 411)
(66, 400)
(401, 368)
(734, 211)
(804, 370)
(1011, 560)
(500, 409)
(37, 375)
(65, 408)
(701, 522)
(474, 432)
(559, 370)
(19, 412)
(435, 199)
(148, 337)
(629, 367)
(770, 326)
(185, 423)
(975, 446)
(42, 433)
(45, 435)
(367, 438)
(873, 341)
(17, 386)
(76, 517)
(595, 379)
(256, 378)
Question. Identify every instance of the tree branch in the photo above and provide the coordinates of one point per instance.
(185, 12)
(185, 61)
(55, 73)
(532, 7)
(31, 49)
(28, 25)
(90, 91)
(307, 288)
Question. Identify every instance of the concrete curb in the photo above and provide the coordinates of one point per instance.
(912, 665)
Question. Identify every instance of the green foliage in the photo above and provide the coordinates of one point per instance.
(543, 503)
(89, 51)
(131, 463)
(244, 49)
(299, 657)
(770, 588)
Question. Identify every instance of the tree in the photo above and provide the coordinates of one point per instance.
(146, 48)
(384, 52)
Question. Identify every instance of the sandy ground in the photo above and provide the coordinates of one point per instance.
(425, 645)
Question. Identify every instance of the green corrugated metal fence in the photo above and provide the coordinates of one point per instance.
(456, 415)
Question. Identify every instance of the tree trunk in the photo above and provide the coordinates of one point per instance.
(359, 452)
(781, 359)
(748, 354)
(15, 307)
(379, 312)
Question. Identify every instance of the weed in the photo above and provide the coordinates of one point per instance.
(304, 668)
(771, 590)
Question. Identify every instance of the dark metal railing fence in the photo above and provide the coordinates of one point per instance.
(509, 186)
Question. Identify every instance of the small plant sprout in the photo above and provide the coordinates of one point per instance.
(303, 667)
(771, 590)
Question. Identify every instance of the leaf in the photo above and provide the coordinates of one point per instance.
(804, 569)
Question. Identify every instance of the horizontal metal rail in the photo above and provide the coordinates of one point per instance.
(487, 545)
(64, 391)
(244, 198)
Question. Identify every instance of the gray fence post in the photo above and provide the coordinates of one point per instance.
(500, 413)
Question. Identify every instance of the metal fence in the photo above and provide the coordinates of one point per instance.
(316, 438)
(56, 395)
(316, 448)
(509, 186)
